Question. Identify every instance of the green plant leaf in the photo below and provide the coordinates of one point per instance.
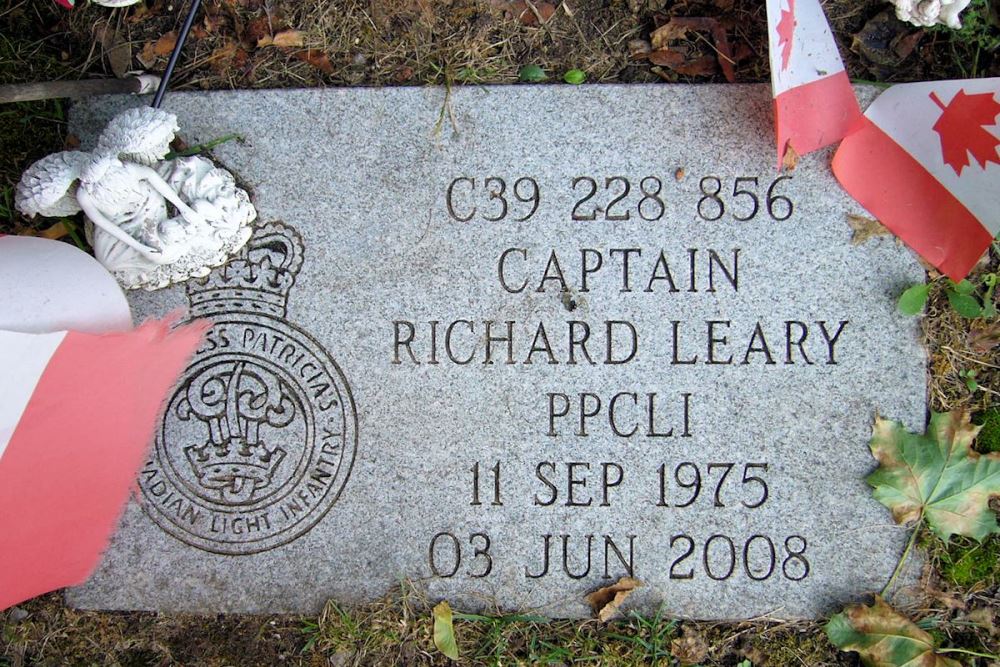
(936, 476)
(884, 638)
(963, 287)
(965, 304)
(913, 300)
(532, 73)
(444, 631)
(575, 76)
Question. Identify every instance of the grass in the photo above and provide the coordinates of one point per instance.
(394, 631)
(950, 345)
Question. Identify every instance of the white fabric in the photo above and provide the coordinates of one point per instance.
(52, 286)
(23, 359)
(814, 52)
(907, 114)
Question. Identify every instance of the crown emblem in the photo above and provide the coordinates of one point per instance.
(257, 280)
(235, 400)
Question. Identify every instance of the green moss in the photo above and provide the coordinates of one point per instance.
(988, 439)
(966, 563)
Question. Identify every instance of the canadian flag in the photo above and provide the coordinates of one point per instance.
(77, 413)
(923, 160)
(814, 103)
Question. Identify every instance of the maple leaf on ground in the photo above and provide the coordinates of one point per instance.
(962, 128)
(936, 476)
(786, 29)
(444, 630)
(884, 638)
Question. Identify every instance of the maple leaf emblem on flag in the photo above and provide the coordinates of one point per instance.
(786, 29)
(962, 128)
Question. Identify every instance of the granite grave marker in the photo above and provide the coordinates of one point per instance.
(576, 334)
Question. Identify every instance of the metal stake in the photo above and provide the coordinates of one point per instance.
(175, 54)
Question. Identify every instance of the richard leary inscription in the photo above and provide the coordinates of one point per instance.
(584, 333)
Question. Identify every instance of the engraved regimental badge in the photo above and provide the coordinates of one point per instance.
(259, 438)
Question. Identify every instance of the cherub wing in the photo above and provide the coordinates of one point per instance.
(48, 187)
(140, 135)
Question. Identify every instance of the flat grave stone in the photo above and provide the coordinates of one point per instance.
(514, 343)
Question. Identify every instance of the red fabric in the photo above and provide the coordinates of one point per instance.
(907, 199)
(76, 450)
(815, 115)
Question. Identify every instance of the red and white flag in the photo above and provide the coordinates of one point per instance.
(77, 413)
(814, 103)
(923, 160)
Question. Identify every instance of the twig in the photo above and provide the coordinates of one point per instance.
(201, 148)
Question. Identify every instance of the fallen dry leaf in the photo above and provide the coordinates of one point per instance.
(606, 601)
(255, 31)
(228, 56)
(639, 49)
(317, 58)
(153, 50)
(116, 49)
(984, 339)
(678, 28)
(865, 228)
(284, 39)
(883, 636)
(669, 31)
(666, 57)
(403, 74)
(165, 44)
(146, 57)
(906, 45)
(690, 648)
(529, 13)
(790, 160)
(682, 64)
(56, 231)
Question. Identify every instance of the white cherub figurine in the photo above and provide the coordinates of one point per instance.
(926, 13)
(125, 187)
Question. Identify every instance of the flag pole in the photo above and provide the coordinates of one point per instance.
(175, 54)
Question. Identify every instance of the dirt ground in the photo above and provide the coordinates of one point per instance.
(293, 43)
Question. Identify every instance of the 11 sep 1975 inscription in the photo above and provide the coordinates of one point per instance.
(514, 363)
